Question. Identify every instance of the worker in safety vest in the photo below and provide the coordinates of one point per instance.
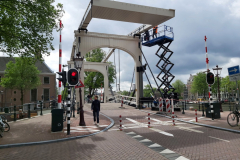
(155, 31)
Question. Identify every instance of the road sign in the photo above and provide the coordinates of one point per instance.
(234, 73)
(80, 84)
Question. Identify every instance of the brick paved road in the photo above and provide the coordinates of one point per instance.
(190, 141)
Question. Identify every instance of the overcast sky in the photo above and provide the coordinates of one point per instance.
(219, 20)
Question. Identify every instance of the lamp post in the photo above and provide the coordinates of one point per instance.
(78, 61)
(216, 70)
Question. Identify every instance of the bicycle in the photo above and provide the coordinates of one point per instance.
(6, 126)
(233, 117)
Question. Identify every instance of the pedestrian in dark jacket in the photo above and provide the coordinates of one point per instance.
(96, 109)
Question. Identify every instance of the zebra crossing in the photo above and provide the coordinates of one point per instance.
(87, 129)
(167, 153)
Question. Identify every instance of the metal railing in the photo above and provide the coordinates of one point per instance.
(85, 15)
(164, 31)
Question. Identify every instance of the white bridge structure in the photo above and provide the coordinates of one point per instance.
(86, 41)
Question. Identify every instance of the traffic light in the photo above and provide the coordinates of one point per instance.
(64, 78)
(73, 77)
(210, 78)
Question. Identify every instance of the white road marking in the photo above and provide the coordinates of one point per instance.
(145, 140)
(131, 133)
(189, 129)
(154, 145)
(162, 132)
(138, 136)
(167, 151)
(74, 131)
(182, 158)
(219, 139)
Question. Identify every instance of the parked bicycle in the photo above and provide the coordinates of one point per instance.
(4, 126)
(233, 117)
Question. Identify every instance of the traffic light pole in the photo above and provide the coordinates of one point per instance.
(68, 111)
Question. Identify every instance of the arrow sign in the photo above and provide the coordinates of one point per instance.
(80, 84)
(233, 70)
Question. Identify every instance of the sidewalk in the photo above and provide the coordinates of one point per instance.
(190, 117)
(39, 129)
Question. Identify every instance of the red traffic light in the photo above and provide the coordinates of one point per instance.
(74, 73)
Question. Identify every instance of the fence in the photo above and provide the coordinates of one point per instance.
(13, 113)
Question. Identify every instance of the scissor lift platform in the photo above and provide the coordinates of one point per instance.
(159, 40)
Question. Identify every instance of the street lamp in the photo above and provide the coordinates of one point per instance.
(217, 72)
(78, 62)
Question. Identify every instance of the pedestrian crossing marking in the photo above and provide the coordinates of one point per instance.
(167, 151)
(182, 158)
(131, 133)
(155, 145)
(138, 136)
(145, 140)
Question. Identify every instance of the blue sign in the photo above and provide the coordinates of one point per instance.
(233, 70)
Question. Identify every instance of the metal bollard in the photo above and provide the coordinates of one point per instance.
(173, 118)
(15, 116)
(185, 105)
(149, 120)
(199, 106)
(120, 120)
(196, 115)
(183, 108)
(29, 113)
(41, 108)
(203, 110)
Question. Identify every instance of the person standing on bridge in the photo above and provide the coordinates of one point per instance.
(146, 38)
(96, 109)
(155, 31)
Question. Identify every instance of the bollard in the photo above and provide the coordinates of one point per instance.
(199, 106)
(160, 105)
(185, 105)
(183, 108)
(15, 117)
(196, 115)
(173, 118)
(149, 120)
(41, 108)
(29, 115)
(203, 110)
(120, 120)
(122, 103)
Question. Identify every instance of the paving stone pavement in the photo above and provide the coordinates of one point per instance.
(39, 129)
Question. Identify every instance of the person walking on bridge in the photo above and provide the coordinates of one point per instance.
(155, 31)
(96, 109)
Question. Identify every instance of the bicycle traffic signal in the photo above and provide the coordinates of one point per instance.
(64, 78)
(73, 77)
(210, 78)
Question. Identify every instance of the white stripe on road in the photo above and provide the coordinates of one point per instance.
(162, 132)
(219, 139)
(154, 145)
(182, 158)
(167, 151)
(189, 129)
(74, 131)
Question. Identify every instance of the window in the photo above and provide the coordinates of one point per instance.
(46, 80)
(33, 94)
(15, 92)
(14, 99)
(46, 94)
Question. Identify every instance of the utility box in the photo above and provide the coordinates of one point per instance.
(57, 120)
(216, 108)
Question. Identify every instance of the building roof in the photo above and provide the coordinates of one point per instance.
(42, 66)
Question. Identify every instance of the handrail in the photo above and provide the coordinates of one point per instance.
(85, 15)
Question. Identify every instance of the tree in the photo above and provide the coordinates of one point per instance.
(21, 75)
(26, 27)
(95, 80)
(125, 93)
(179, 86)
(147, 91)
(199, 84)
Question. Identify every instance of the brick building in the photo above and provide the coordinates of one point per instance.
(9, 97)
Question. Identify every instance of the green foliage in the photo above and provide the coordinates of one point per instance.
(147, 91)
(26, 27)
(125, 93)
(199, 83)
(94, 80)
(179, 86)
(21, 75)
